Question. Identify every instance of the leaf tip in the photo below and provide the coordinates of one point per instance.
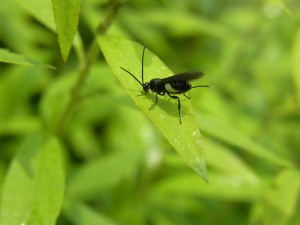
(199, 166)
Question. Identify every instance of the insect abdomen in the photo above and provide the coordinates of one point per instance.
(177, 87)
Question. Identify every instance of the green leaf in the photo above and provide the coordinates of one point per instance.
(66, 14)
(283, 6)
(228, 163)
(185, 137)
(14, 58)
(52, 109)
(177, 22)
(34, 186)
(90, 180)
(217, 128)
(295, 64)
(279, 203)
(221, 186)
(19, 125)
(281, 197)
(40, 10)
(80, 214)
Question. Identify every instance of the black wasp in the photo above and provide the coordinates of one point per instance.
(176, 84)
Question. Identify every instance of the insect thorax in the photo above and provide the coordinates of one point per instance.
(155, 85)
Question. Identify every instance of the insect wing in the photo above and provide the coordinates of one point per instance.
(186, 76)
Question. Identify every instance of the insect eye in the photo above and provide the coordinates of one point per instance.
(146, 87)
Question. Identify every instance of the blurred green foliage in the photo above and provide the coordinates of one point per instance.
(74, 148)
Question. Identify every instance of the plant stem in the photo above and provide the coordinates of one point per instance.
(83, 73)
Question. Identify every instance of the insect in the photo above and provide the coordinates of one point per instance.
(173, 85)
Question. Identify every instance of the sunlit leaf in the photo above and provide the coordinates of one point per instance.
(185, 137)
(40, 10)
(34, 187)
(18, 59)
(66, 14)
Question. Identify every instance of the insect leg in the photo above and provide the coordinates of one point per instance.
(186, 96)
(141, 94)
(155, 101)
(176, 97)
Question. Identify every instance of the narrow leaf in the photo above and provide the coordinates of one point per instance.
(283, 6)
(295, 65)
(34, 186)
(279, 202)
(14, 58)
(185, 137)
(284, 192)
(66, 14)
(217, 128)
(41, 10)
(80, 213)
(89, 180)
(221, 186)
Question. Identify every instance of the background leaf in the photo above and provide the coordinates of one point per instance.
(295, 65)
(34, 187)
(66, 14)
(10, 57)
(83, 214)
(279, 203)
(41, 10)
(90, 179)
(216, 128)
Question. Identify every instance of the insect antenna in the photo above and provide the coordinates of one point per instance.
(132, 76)
(143, 64)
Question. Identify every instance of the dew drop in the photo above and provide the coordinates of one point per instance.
(195, 133)
(200, 143)
(162, 117)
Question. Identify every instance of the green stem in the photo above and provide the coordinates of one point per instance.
(91, 56)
